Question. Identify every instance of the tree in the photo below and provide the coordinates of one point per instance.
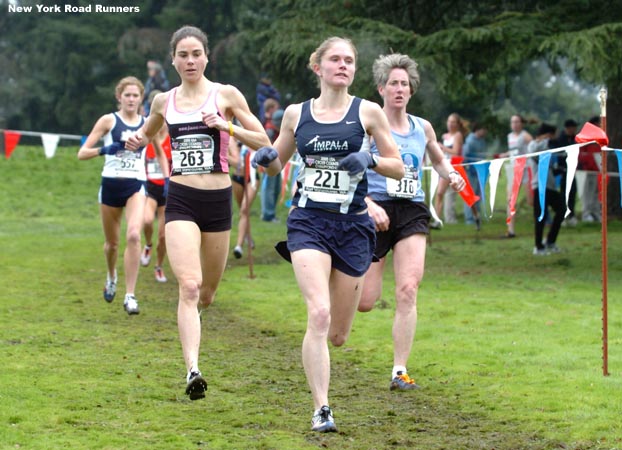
(472, 50)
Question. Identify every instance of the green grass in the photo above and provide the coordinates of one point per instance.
(508, 346)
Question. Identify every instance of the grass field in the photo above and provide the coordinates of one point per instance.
(508, 347)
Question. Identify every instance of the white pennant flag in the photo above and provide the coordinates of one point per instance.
(433, 184)
(495, 167)
(572, 157)
(50, 142)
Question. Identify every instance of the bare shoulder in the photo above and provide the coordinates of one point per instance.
(291, 114)
(293, 110)
(369, 107)
(106, 122)
(373, 118)
(229, 91)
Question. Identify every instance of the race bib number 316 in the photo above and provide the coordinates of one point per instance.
(407, 187)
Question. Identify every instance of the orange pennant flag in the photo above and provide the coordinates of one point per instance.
(467, 193)
(11, 138)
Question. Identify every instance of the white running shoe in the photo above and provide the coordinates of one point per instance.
(159, 275)
(110, 288)
(323, 421)
(238, 252)
(130, 304)
(145, 256)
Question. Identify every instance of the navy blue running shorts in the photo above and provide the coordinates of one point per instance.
(406, 218)
(210, 209)
(115, 192)
(349, 239)
(156, 192)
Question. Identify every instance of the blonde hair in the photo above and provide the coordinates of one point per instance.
(384, 64)
(316, 56)
(462, 126)
(128, 81)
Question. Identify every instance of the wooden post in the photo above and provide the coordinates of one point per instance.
(604, 181)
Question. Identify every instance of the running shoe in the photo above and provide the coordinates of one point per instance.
(402, 382)
(110, 289)
(238, 252)
(145, 257)
(552, 248)
(436, 225)
(323, 421)
(540, 251)
(130, 304)
(195, 385)
(159, 275)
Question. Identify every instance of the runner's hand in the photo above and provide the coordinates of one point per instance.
(356, 162)
(264, 156)
(111, 149)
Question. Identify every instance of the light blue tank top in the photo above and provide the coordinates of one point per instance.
(412, 149)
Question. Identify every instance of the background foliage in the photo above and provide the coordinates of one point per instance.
(58, 70)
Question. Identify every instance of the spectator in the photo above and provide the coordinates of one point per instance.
(265, 90)
(591, 211)
(552, 197)
(451, 144)
(156, 81)
(271, 186)
(474, 150)
(518, 140)
(565, 138)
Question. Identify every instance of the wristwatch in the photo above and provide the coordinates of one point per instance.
(374, 161)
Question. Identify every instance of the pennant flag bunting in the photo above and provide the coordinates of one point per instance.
(482, 169)
(467, 193)
(433, 185)
(591, 132)
(572, 158)
(495, 168)
(285, 180)
(543, 174)
(50, 142)
(619, 157)
(11, 138)
(519, 168)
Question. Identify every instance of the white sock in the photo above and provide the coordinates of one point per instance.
(397, 369)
